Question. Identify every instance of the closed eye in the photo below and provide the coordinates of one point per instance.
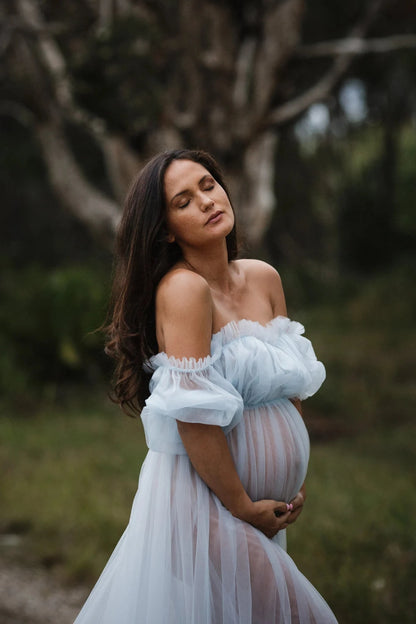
(207, 183)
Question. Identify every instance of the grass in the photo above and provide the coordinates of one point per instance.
(67, 480)
(356, 540)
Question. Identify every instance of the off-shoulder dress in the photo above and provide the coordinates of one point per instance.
(183, 558)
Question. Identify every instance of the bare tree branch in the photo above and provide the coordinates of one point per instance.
(243, 70)
(324, 86)
(357, 46)
(318, 92)
(54, 62)
(96, 211)
(280, 38)
(39, 61)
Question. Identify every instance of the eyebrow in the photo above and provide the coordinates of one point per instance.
(207, 175)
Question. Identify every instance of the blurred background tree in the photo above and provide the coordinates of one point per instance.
(138, 77)
(308, 107)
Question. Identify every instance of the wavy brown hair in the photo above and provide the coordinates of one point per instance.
(143, 256)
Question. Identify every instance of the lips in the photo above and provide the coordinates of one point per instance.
(214, 216)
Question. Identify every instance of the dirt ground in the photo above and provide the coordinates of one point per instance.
(32, 596)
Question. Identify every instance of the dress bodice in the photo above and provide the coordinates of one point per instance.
(267, 362)
(250, 365)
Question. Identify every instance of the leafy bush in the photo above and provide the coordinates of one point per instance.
(48, 323)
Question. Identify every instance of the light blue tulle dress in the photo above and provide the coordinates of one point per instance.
(183, 558)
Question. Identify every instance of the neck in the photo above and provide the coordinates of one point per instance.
(212, 264)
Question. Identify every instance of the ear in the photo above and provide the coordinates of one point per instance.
(170, 238)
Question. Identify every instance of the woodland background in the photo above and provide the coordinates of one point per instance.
(310, 107)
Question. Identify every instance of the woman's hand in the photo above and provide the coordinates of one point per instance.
(269, 516)
(297, 503)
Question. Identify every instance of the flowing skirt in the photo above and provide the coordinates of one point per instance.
(184, 559)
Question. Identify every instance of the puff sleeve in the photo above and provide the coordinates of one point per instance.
(190, 391)
(294, 345)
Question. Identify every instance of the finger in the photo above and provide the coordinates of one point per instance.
(299, 500)
(283, 520)
(283, 508)
(296, 506)
(294, 515)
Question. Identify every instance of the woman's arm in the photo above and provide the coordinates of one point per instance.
(209, 453)
(184, 328)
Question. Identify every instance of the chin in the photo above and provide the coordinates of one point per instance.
(227, 222)
(224, 231)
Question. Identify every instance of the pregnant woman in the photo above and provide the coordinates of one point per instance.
(203, 344)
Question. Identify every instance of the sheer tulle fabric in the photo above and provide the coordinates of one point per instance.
(184, 559)
(194, 392)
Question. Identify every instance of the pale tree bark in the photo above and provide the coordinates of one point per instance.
(80, 196)
(91, 207)
(224, 78)
(282, 30)
(253, 187)
(356, 46)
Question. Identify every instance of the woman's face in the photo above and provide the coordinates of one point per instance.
(197, 207)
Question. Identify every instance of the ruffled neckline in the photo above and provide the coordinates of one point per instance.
(233, 330)
(245, 327)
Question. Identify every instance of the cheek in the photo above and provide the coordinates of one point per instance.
(230, 213)
(182, 225)
(224, 200)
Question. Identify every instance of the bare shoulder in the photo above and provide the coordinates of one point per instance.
(258, 269)
(184, 314)
(182, 281)
(266, 278)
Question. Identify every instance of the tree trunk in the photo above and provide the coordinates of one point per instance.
(252, 188)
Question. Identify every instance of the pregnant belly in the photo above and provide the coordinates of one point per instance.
(270, 448)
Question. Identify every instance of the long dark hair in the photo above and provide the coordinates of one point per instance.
(143, 256)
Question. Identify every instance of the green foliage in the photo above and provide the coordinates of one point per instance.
(47, 327)
(406, 183)
(367, 339)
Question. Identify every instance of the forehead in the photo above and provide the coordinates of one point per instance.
(182, 173)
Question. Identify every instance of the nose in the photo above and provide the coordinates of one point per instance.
(206, 202)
